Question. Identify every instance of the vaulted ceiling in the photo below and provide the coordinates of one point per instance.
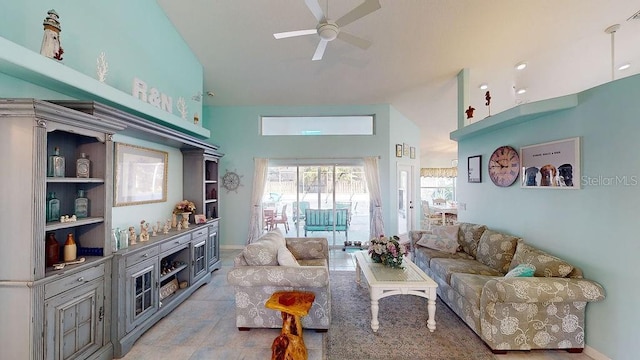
(418, 47)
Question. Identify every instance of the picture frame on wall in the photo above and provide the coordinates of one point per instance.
(398, 150)
(140, 175)
(551, 165)
(405, 149)
(412, 152)
(474, 169)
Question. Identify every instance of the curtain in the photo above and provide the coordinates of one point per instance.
(259, 182)
(439, 172)
(375, 196)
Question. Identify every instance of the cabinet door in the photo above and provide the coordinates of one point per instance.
(199, 265)
(141, 292)
(74, 322)
(213, 246)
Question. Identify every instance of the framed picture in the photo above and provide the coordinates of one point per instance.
(405, 149)
(412, 152)
(551, 165)
(398, 150)
(140, 175)
(474, 169)
(200, 218)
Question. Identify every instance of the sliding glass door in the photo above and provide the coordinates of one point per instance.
(319, 200)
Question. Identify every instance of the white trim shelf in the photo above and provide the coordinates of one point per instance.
(27, 65)
(516, 115)
(67, 180)
(56, 225)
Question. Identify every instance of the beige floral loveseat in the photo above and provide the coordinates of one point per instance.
(275, 263)
(473, 267)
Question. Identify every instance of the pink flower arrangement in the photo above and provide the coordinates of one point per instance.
(387, 251)
(184, 206)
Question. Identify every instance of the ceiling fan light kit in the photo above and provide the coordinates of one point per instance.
(329, 30)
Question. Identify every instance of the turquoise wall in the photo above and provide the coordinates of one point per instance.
(237, 131)
(591, 227)
(136, 36)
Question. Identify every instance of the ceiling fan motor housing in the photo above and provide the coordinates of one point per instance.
(328, 30)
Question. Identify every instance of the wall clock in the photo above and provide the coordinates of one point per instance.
(231, 181)
(504, 166)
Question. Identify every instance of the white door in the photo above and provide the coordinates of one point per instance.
(405, 198)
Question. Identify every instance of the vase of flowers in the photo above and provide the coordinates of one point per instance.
(387, 251)
(184, 206)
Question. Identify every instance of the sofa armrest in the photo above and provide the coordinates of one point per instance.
(295, 276)
(541, 290)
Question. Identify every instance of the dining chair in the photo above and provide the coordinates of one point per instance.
(281, 219)
(431, 218)
(267, 217)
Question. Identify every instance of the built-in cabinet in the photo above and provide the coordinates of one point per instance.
(95, 309)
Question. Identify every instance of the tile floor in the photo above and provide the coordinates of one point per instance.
(203, 327)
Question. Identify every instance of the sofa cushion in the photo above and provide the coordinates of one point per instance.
(545, 264)
(313, 262)
(443, 238)
(444, 268)
(470, 286)
(308, 248)
(468, 237)
(264, 252)
(496, 250)
(285, 257)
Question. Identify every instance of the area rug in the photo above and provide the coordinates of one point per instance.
(403, 333)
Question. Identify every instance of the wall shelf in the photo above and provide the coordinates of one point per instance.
(516, 115)
(25, 64)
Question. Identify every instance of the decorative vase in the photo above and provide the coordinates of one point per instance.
(185, 220)
(174, 220)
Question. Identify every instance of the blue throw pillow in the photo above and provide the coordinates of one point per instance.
(522, 270)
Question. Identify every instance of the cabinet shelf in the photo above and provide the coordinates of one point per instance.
(69, 180)
(208, 201)
(56, 225)
(172, 272)
(211, 181)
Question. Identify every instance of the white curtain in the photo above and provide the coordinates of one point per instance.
(259, 181)
(375, 196)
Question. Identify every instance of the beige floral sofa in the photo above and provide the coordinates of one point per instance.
(473, 267)
(275, 263)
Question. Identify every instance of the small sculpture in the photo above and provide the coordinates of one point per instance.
(469, 112)
(51, 47)
(102, 67)
(487, 96)
(179, 225)
(144, 231)
(155, 230)
(132, 235)
(166, 227)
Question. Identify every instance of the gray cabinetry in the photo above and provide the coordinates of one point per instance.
(213, 246)
(141, 292)
(199, 263)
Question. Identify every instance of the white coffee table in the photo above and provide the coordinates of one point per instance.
(384, 281)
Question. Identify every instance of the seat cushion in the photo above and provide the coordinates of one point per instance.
(313, 262)
(496, 250)
(425, 255)
(470, 286)
(469, 236)
(444, 268)
(264, 252)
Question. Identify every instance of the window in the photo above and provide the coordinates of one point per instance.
(316, 125)
(437, 188)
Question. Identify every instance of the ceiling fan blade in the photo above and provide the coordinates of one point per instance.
(320, 50)
(354, 40)
(364, 9)
(289, 34)
(315, 8)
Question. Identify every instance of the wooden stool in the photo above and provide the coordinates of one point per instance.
(293, 304)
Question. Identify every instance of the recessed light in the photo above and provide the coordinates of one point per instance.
(210, 93)
(521, 91)
(484, 86)
(521, 66)
(624, 66)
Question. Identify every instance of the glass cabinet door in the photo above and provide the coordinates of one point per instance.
(212, 245)
(142, 292)
(199, 259)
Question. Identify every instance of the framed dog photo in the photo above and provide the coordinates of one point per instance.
(200, 218)
(551, 165)
(474, 169)
(398, 150)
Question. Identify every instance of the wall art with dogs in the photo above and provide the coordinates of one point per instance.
(551, 165)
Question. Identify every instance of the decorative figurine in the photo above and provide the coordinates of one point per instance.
(144, 231)
(102, 67)
(166, 227)
(196, 119)
(469, 112)
(179, 225)
(487, 96)
(51, 47)
(132, 235)
(154, 230)
(182, 108)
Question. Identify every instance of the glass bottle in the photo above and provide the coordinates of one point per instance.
(83, 165)
(114, 239)
(81, 208)
(70, 249)
(123, 239)
(55, 166)
(52, 250)
(53, 207)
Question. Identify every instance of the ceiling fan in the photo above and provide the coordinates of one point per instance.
(329, 30)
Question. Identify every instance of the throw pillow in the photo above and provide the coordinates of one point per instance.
(468, 237)
(522, 270)
(545, 264)
(285, 257)
(264, 252)
(442, 238)
(496, 250)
